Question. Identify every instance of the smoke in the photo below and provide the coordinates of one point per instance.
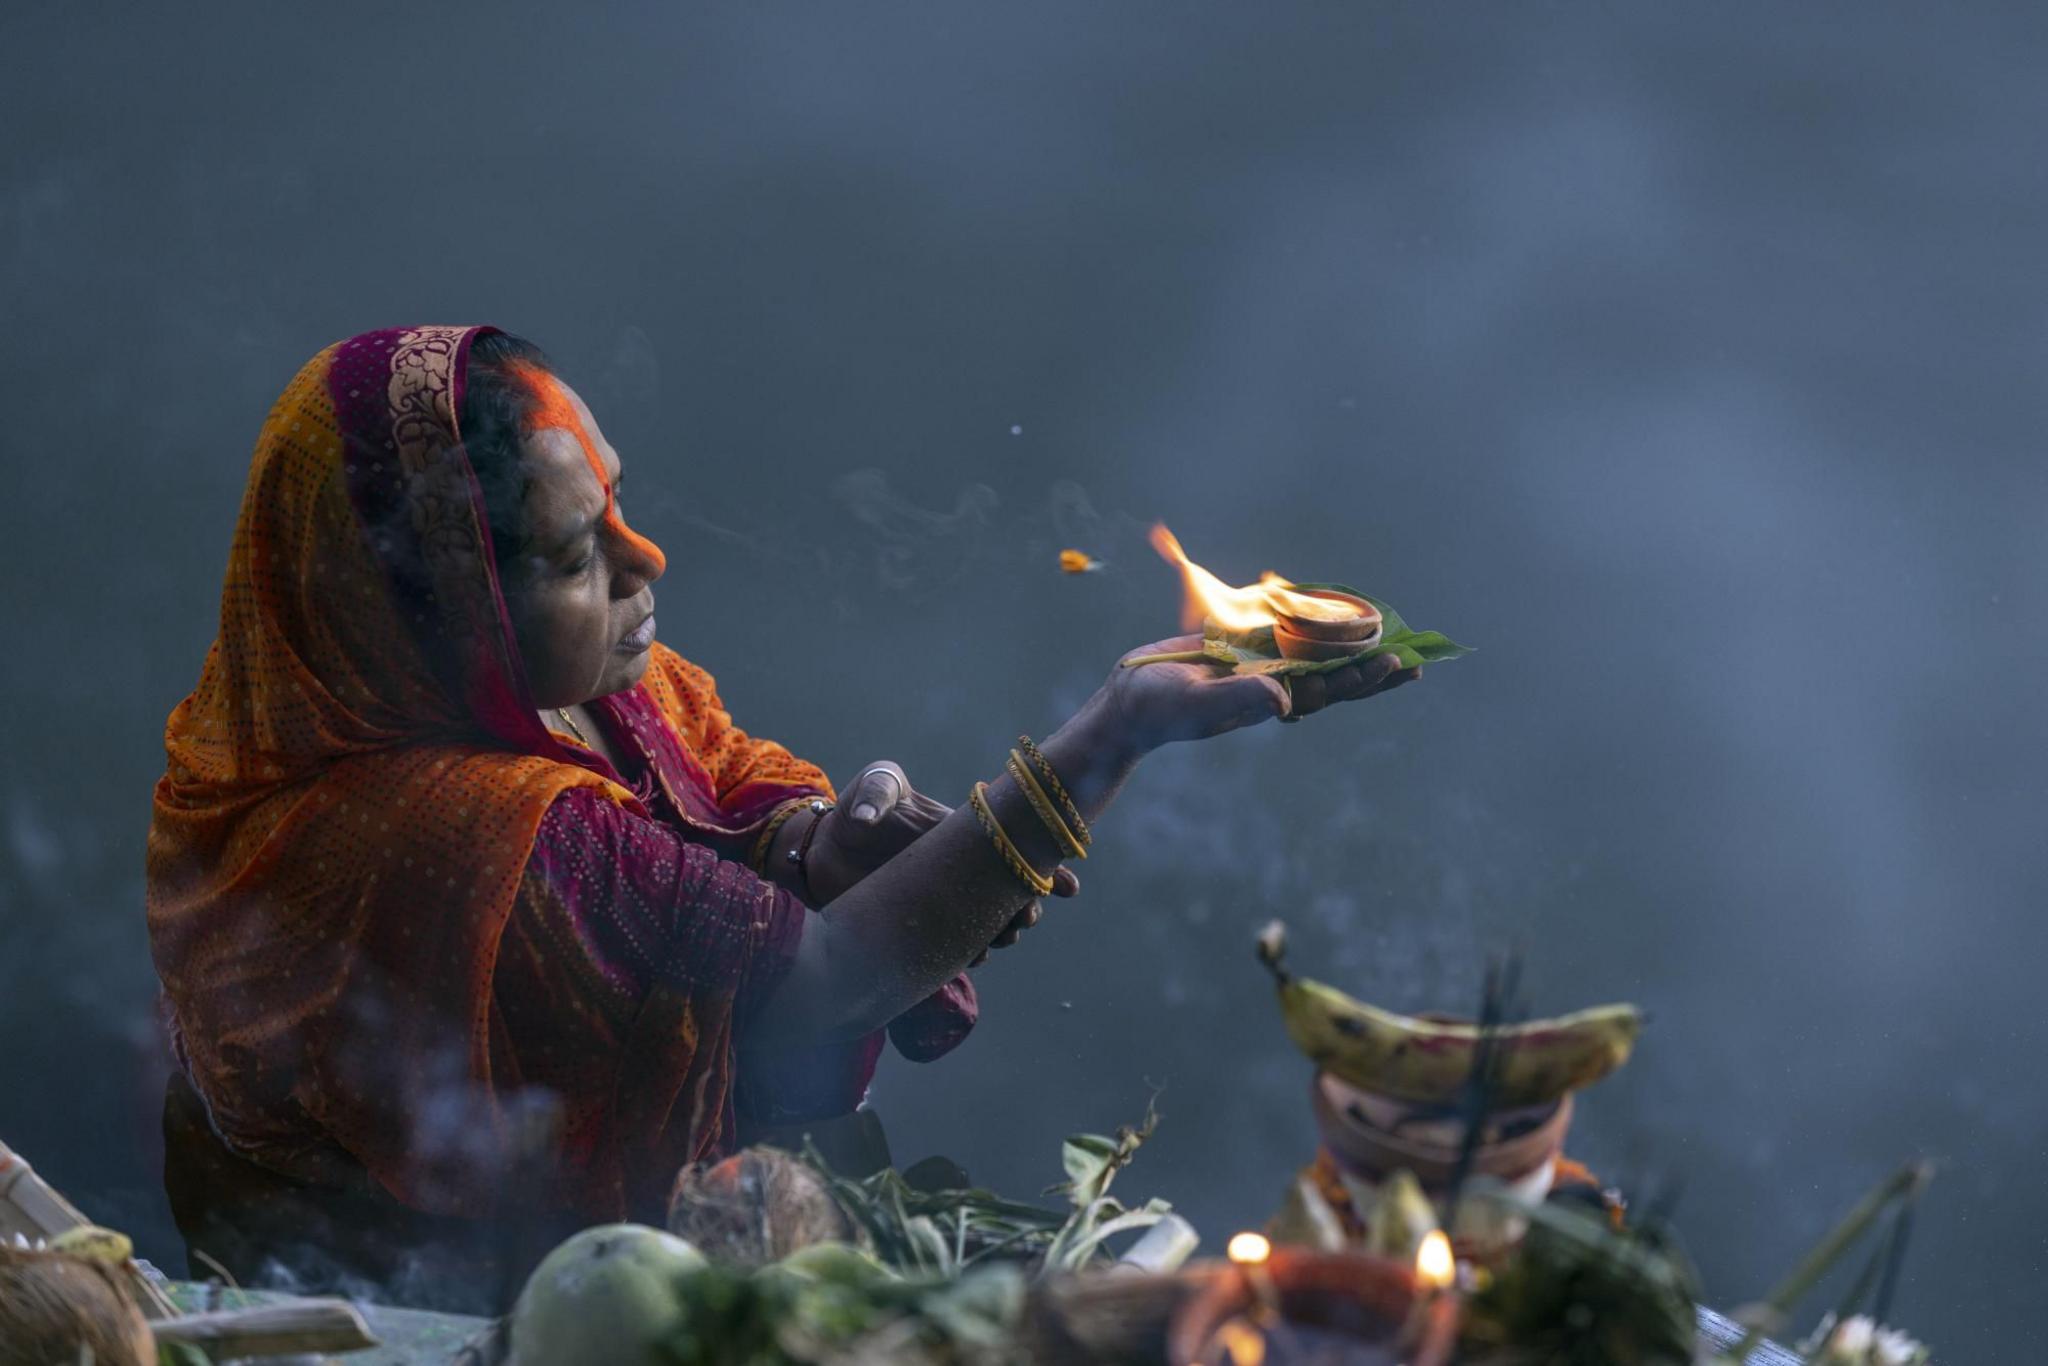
(1685, 361)
(913, 547)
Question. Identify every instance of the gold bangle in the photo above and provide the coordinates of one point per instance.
(1038, 882)
(1042, 804)
(758, 859)
(1058, 790)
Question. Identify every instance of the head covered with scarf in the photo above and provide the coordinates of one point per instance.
(354, 786)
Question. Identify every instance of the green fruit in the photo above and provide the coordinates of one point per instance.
(607, 1297)
(1429, 1062)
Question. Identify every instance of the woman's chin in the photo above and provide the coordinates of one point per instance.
(629, 670)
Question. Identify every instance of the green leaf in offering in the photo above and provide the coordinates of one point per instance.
(1093, 1160)
(1578, 1292)
(946, 1233)
(1255, 651)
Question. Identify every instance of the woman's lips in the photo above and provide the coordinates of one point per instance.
(639, 638)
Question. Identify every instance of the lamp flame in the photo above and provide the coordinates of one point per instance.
(1248, 1249)
(1435, 1264)
(1239, 609)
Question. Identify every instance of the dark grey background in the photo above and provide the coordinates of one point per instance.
(1686, 358)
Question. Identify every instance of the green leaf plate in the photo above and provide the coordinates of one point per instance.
(1254, 652)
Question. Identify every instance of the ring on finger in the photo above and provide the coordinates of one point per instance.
(1287, 686)
(885, 771)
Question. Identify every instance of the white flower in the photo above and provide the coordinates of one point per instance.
(1860, 1342)
(1894, 1348)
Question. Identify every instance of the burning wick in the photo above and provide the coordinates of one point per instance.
(1243, 1345)
(1249, 1249)
(1242, 609)
(1435, 1265)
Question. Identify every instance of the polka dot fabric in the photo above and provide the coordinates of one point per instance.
(353, 789)
(624, 981)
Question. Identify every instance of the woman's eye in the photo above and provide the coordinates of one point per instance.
(578, 565)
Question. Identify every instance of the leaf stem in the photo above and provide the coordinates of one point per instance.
(1171, 657)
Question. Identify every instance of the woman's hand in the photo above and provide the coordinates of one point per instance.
(878, 816)
(1156, 704)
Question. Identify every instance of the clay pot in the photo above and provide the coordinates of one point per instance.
(1373, 1307)
(1372, 1137)
(1316, 639)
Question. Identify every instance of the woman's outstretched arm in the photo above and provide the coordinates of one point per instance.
(912, 924)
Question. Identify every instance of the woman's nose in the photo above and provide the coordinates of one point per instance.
(639, 558)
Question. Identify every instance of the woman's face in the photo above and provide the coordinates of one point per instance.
(578, 589)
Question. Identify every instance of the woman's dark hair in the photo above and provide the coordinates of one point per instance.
(495, 410)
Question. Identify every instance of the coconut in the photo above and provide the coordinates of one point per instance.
(756, 1207)
(607, 1297)
(55, 1307)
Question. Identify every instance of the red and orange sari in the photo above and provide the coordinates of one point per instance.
(406, 930)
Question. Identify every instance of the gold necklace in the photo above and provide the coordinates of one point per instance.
(574, 729)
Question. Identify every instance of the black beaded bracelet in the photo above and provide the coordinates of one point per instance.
(800, 855)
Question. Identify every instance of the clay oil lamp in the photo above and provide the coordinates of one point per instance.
(1369, 1137)
(1272, 616)
(1289, 1306)
(1314, 624)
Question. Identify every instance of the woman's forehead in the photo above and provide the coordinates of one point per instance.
(557, 407)
(564, 500)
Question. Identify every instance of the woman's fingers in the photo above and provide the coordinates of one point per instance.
(875, 793)
(918, 813)
(1250, 698)
(1014, 931)
(1065, 881)
(1364, 678)
(1307, 694)
(1011, 932)
(1310, 693)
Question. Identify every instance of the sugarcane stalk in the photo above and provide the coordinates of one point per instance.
(286, 1329)
(1903, 1184)
(32, 1209)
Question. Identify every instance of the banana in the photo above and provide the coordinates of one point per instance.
(1429, 1062)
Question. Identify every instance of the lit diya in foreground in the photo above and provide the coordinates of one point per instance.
(1289, 1306)
(1278, 626)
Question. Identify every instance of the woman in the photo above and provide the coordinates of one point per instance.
(469, 899)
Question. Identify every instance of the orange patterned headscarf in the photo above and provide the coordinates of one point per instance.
(354, 786)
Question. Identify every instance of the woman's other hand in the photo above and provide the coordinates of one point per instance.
(879, 815)
(1156, 704)
(1064, 883)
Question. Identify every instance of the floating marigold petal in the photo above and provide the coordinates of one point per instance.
(1078, 562)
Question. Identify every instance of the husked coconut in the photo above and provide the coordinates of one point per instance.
(55, 1307)
(756, 1207)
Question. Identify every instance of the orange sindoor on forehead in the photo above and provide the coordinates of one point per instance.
(552, 407)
